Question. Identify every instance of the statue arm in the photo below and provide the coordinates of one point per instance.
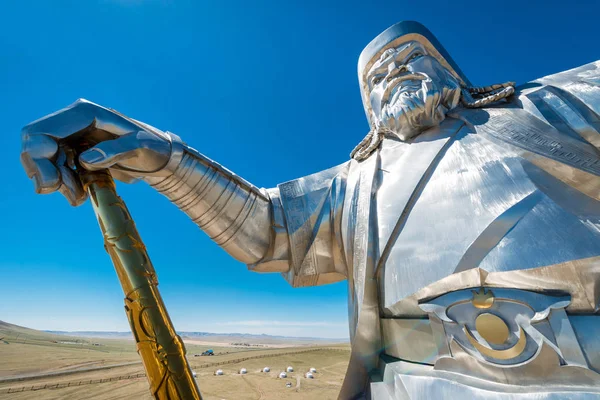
(291, 229)
(232, 212)
(569, 99)
(307, 224)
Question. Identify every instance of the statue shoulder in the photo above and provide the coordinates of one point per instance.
(579, 86)
(589, 73)
(569, 101)
(314, 182)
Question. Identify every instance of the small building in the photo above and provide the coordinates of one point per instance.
(219, 372)
(266, 369)
(312, 370)
(194, 374)
(290, 369)
(283, 375)
(309, 375)
(243, 371)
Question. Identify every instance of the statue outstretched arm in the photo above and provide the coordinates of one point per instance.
(231, 211)
(289, 229)
(234, 213)
(292, 229)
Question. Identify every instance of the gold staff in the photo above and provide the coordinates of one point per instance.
(161, 349)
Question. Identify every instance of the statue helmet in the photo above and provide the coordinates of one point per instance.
(394, 36)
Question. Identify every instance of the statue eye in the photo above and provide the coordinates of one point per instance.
(376, 80)
(415, 55)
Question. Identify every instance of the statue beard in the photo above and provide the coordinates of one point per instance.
(413, 111)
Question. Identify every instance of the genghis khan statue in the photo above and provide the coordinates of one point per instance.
(467, 222)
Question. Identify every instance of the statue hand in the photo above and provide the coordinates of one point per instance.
(94, 137)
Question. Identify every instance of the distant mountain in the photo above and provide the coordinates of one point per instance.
(96, 334)
(11, 330)
(253, 338)
(211, 337)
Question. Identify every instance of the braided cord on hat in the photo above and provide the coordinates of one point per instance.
(368, 145)
(477, 97)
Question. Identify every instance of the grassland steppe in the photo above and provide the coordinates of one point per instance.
(42, 366)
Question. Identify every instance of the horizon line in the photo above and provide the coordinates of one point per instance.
(211, 333)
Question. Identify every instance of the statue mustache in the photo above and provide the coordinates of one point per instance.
(409, 111)
(392, 92)
(411, 101)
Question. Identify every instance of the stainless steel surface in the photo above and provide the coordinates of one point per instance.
(397, 332)
(409, 90)
(532, 319)
(455, 188)
(234, 213)
(403, 380)
(140, 149)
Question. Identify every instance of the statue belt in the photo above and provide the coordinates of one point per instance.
(425, 340)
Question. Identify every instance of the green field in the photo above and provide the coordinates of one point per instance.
(40, 361)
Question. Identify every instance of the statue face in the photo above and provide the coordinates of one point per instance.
(410, 90)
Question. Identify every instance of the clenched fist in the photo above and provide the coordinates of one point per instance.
(93, 137)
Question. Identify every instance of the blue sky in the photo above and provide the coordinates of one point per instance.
(268, 89)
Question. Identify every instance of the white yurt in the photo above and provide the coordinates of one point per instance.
(266, 369)
(243, 371)
(290, 369)
(219, 372)
(289, 384)
(312, 370)
(309, 375)
(194, 374)
(283, 375)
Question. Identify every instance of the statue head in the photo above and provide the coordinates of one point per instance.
(409, 83)
(409, 90)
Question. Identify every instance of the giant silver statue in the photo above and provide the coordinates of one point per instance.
(467, 221)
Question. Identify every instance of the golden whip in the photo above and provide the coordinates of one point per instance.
(161, 349)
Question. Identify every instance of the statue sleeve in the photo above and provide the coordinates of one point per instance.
(234, 213)
(290, 229)
(569, 100)
(306, 240)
